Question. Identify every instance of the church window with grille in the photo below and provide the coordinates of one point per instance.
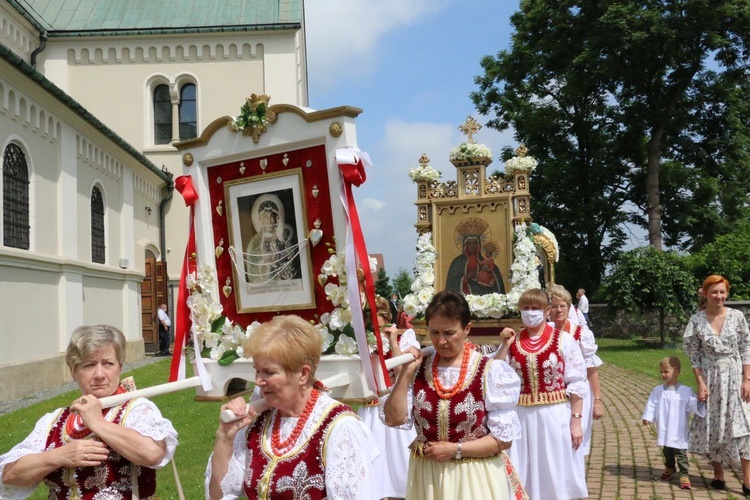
(97, 226)
(15, 198)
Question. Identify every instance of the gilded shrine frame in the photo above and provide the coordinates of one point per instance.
(473, 211)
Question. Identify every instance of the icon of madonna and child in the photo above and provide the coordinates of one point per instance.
(272, 252)
(474, 271)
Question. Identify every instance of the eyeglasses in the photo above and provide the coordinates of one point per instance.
(558, 306)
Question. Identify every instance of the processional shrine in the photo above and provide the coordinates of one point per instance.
(482, 208)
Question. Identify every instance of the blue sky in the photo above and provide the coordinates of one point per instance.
(410, 65)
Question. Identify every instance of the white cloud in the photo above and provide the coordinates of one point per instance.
(343, 35)
(373, 204)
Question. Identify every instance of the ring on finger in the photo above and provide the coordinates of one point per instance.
(86, 457)
(84, 401)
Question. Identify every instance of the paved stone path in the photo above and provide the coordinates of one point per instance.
(625, 461)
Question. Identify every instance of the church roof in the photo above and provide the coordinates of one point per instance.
(117, 17)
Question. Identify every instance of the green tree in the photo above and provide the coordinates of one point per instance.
(615, 100)
(402, 282)
(647, 279)
(383, 285)
(728, 256)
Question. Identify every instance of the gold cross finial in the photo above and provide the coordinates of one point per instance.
(424, 160)
(469, 128)
(521, 150)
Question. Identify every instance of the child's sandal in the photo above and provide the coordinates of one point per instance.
(685, 483)
(667, 474)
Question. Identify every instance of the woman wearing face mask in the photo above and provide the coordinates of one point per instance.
(553, 384)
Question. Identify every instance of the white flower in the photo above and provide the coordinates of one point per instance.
(520, 163)
(346, 346)
(333, 266)
(428, 277)
(340, 318)
(325, 318)
(425, 294)
(336, 294)
(326, 338)
(417, 285)
(411, 305)
(424, 173)
(470, 151)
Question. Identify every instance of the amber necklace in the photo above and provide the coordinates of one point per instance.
(280, 447)
(442, 391)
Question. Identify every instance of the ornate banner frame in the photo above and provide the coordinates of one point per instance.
(267, 220)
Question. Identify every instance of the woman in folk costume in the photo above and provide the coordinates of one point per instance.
(84, 452)
(553, 385)
(393, 462)
(463, 407)
(306, 445)
(593, 407)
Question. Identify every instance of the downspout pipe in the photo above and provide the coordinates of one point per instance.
(163, 213)
(42, 45)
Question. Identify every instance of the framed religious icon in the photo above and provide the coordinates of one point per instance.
(268, 240)
(477, 246)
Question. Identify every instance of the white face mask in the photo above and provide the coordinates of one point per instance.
(532, 318)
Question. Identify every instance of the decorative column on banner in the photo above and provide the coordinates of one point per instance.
(183, 320)
(351, 162)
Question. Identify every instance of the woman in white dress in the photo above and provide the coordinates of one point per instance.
(553, 385)
(717, 341)
(84, 451)
(463, 407)
(306, 445)
(392, 464)
(593, 407)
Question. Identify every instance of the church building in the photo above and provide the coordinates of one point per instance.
(93, 96)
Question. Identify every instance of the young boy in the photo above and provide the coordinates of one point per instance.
(668, 407)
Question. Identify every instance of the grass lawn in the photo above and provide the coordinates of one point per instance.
(643, 358)
(196, 422)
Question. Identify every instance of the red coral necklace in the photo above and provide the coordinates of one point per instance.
(280, 447)
(442, 391)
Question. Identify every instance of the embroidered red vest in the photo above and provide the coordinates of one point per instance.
(578, 333)
(458, 419)
(541, 372)
(300, 474)
(111, 479)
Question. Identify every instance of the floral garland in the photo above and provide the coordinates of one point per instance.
(220, 338)
(520, 164)
(424, 173)
(524, 276)
(252, 114)
(335, 328)
(467, 151)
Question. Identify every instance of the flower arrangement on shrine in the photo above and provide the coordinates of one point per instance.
(424, 172)
(520, 162)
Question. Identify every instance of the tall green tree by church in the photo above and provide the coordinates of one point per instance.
(636, 112)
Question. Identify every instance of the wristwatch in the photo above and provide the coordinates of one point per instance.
(576, 415)
(458, 452)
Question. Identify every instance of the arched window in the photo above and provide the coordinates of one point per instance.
(15, 198)
(162, 115)
(97, 226)
(188, 122)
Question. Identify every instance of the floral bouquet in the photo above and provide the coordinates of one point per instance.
(220, 339)
(520, 163)
(336, 330)
(467, 151)
(424, 173)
